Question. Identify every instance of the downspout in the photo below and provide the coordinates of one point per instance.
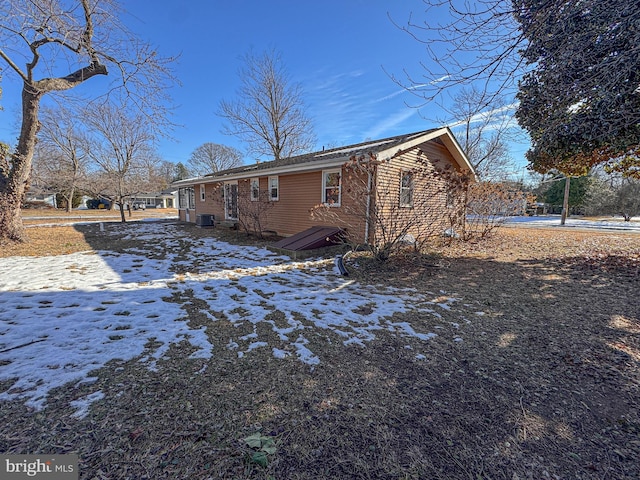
(367, 219)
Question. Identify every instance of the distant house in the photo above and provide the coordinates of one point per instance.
(41, 197)
(294, 187)
(165, 199)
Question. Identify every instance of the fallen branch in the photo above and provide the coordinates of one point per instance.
(23, 345)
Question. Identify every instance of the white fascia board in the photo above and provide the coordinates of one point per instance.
(456, 150)
(185, 182)
(386, 155)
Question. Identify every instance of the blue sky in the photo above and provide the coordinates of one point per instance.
(338, 50)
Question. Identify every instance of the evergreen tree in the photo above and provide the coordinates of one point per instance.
(581, 102)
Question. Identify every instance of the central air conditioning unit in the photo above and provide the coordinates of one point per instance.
(205, 221)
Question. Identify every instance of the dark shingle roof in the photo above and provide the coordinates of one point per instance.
(373, 146)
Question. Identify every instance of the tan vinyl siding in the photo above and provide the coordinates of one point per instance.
(429, 215)
(291, 213)
(299, 193)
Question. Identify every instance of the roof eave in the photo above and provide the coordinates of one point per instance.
(264, 172)
(252, 171)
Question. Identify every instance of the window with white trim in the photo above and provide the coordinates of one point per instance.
(254, 185)
(202, 193)
(186, 198)
(331, 187)
(274, 191)
(406, 189)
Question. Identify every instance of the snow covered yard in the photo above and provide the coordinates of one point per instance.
(609, 223)
(155, 350)
(63, 317)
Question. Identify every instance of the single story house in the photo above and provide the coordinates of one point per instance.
(41, 197)
(164, 199)
(357, 188)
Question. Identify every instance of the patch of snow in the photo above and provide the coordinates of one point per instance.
(82, 404)
(255, 345)
(280, 353)
(62, 317)
(614, 223)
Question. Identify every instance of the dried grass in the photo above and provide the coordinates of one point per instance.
(545, 384)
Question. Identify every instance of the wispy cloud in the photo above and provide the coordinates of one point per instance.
(494, 119)
(340, 106)
(413, 88)
(389, 124)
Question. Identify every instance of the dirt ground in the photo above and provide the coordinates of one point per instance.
(544, 385)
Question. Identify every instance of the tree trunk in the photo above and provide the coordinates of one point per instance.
(123, 219)
(15, 182)
(565, 201)
(70, 200)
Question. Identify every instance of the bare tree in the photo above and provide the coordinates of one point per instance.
(120, 145)
(212, 157)
(612, 194)
(60, 161)
(269, 114)
(161, 174)
(485, 128)
(155, 174)
(4, 161)
(37, 40)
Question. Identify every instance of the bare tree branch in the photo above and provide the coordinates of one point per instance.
(477, 45)
(120, 144)
(269, 112)
(63, 43)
